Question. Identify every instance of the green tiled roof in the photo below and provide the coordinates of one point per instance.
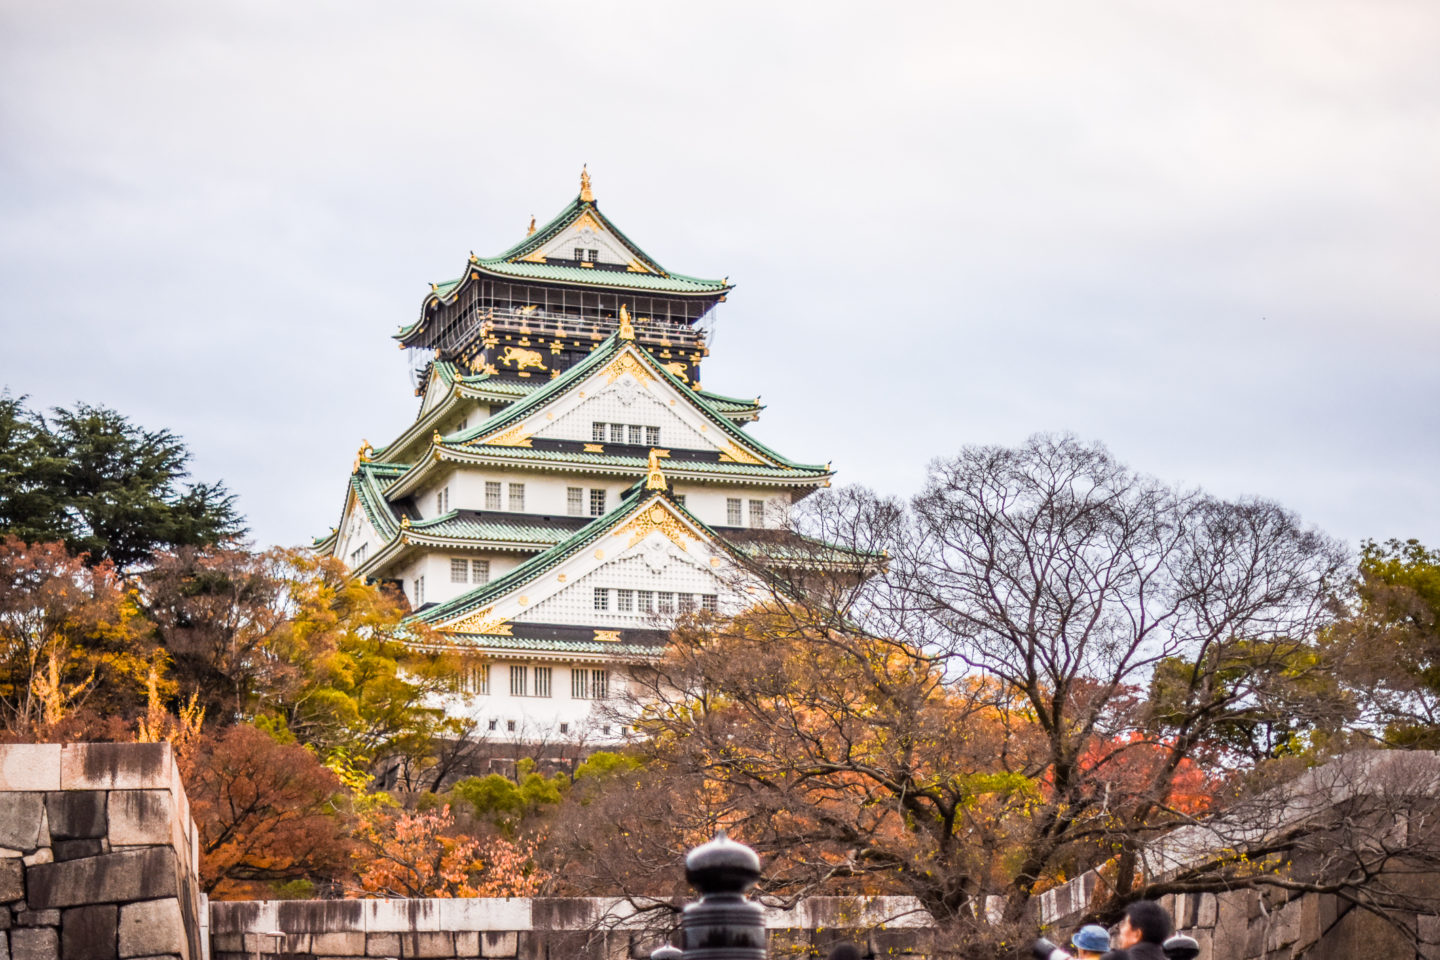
(561, 646)
(638, 463)
(466, 525)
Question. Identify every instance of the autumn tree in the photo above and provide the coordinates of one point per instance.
(267, 812)
(72, 642)
(1039, 676)
(421, 854)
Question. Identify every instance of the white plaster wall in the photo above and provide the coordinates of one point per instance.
(544, 493)
(538, 718)
(707, 503)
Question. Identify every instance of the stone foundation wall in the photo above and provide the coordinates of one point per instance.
(99, 858)
(536, 929)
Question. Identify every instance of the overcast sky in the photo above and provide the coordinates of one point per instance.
(1207, 235)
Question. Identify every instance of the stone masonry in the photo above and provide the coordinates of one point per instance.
(98, 854)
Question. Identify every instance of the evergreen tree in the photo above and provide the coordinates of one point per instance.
(104, 486)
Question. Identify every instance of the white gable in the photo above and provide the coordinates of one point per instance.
(625, 391)
(653, 549)
(586, 234)
(355, 531)
(435, 391)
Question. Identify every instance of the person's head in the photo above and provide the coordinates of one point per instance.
(1144, 920)
(1091, 940)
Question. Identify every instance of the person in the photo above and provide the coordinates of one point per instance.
(1143, 931)
(1090, 941)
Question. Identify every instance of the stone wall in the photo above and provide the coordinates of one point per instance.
(98, 854)
(535, 929)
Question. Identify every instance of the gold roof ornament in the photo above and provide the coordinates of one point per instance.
(405, 522)
(585, 195)
(627, 329)
(654, 479)
(531, 231)
(435, 437)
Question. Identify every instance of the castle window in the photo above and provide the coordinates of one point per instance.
(579, 684)
(617, 433)
(625, 600)
(599, 684)
(517, 497)
(542, 681)
(732, 512)
(579, 253)
(709, 602)
(597, 432)
(479, 571)
(757, 513)
(575, 501)
(419, 591)
(492, 495)
(602, 598)
(357, 556)
(462, 425)
(492, 724)
(442, 500)
(687, 602)
(594, 255)
(652, 436)
(477, 680)
(517, 684)
(564, 728)
(510, 726)
(667, 602)
(645, 600)
(637, 434)
(597, 503)
(459, 571)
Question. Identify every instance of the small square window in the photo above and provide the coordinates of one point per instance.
(459, 571)
(594, 255)
(597, 503)
(645, 599)
(575, 501)
(479, 571)
(617, 433)
(709, 602)
(687, 602)
(733, 515)
(517, 497)
(564, 728)
(625, 600)
(602, 598)
(493, 724)
(637, 434)
(579, 253)
(652, 436)
(597, 432)
(667, 602)
(492, 495)
(510, 726)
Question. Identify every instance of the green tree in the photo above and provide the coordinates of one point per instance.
(105, 486)
(1389, 647)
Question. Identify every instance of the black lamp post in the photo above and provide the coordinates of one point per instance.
(723, 924)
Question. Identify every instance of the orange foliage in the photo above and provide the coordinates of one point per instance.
(418, 855)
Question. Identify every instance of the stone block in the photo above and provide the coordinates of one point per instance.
(35, 943)
(29, 766)
(21, 819)
(143, 874)
(140, 816)
(152, 927)
(88, 933)
(43, 855)
(12, 880)
(76, 815)
(37, 918)
(348, 944)
(500, 943)
(431, 944)
(467, 944)
(319, 916)
(483, 913)
(1429, 929)
(227, 942)
(76, 849)
(1206, 911)
(382, 945)
(115, 766)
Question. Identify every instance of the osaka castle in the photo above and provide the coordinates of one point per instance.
(568, 486)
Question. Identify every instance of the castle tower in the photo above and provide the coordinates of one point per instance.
(567, 484)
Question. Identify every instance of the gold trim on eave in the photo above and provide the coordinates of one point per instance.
(654, 479)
